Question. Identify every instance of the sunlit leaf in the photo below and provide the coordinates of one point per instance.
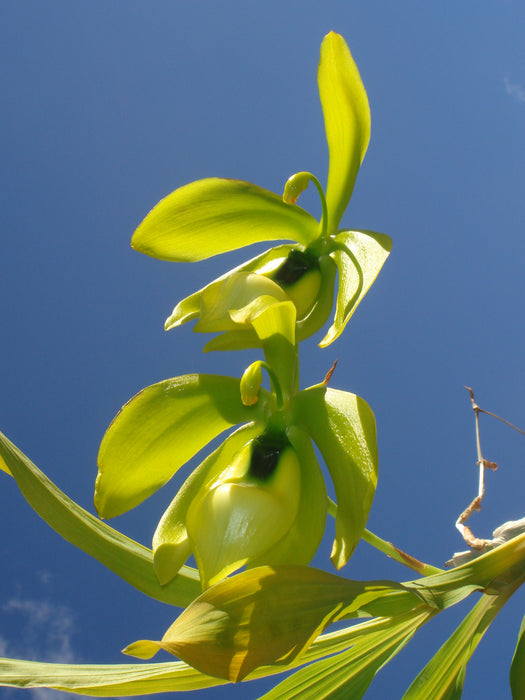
(359, 260)
(450, 587)
(159, 430)
(443, 676)
(104, 680)
(343, 427)
(126, 558)
(347, 122)
(349, 674)
(212, 216)
(265, 616)
(517, 669)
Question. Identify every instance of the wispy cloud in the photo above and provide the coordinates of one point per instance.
(47, 631)
(515, 90)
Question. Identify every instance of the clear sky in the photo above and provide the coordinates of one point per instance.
(109, 106)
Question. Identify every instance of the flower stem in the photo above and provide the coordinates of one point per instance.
(390, 550)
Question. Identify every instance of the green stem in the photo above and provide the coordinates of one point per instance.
(390, 550)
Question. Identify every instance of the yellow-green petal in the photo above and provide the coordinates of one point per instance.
(189, 308)
(212, 216)
(347, 122)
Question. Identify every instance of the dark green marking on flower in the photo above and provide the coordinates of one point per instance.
(266, 453)
(296, 265)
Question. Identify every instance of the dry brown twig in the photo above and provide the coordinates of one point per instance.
(474, 542)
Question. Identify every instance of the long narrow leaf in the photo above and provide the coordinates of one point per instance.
(349, 674)
(443, 677)
(125, 557)
(517, 669)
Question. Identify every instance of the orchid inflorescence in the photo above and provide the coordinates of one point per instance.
(260, 497)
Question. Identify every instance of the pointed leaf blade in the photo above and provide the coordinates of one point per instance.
(268, 615)
(128, 559)
(517, 669)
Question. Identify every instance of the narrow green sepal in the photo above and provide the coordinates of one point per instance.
(347, 123)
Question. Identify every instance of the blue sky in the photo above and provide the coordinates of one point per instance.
(109, 106)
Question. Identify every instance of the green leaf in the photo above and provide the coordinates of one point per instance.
(104, 680)
(343, 427)
(360, 255)
(347, 122)
(349, 674)
(159, 430)
(264, 616)
(171, 546)
(517, 669)
(126, 558)
(442, 678)
(190, 308)
(212, 216)
(450, 587)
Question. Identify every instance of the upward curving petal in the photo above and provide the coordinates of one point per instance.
(347, 122)
(215, 215)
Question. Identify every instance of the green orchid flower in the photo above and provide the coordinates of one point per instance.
(260, 497)
(214, 215)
